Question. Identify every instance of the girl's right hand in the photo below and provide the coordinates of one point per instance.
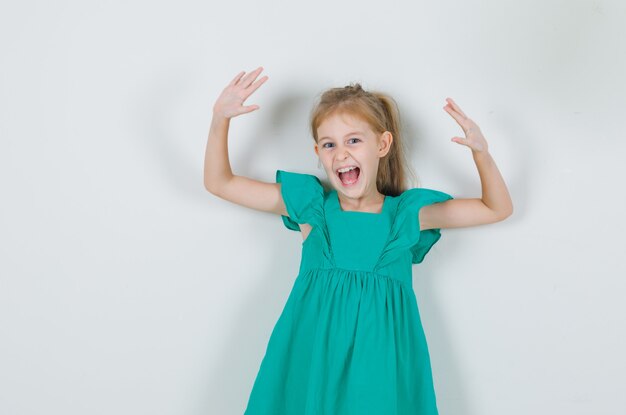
(230, 102)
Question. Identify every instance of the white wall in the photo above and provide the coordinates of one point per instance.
(126, 288)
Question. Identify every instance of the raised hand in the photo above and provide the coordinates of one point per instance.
(474, 138)
(230, 102)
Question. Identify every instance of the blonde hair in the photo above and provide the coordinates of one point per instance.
(381, 113)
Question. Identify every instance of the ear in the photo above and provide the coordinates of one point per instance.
(384, 143)
(316, 149)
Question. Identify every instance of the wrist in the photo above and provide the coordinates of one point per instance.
(219, 118)
(480, 153)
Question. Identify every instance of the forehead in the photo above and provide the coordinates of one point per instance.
(338, 123)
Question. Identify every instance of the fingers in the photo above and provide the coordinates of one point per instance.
(248, 89)
(248, 79)
(236, 78)
(457, 116)
(456, 107)
(459, 140)
(257, 84)
(250, 108)
(244, 83)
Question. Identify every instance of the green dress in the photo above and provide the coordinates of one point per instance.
(349, 340)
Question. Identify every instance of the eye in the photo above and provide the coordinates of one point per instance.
(354, 138)
(324, 145)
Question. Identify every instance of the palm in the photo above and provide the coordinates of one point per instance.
(230, 102)
(474, 138)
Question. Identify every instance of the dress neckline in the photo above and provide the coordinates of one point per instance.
(335, 198)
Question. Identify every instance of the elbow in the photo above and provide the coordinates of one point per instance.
(210, 188)
(207, 186)
(509, 211)
(218, 186)
(505, 214)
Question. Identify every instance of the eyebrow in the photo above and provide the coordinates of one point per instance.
(353, 132)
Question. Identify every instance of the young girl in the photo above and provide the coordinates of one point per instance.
(350, 339)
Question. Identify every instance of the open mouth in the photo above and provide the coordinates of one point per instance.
(348, 175)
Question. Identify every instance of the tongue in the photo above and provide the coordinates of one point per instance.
(350, 176)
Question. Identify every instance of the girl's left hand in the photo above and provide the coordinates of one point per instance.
(474, 138)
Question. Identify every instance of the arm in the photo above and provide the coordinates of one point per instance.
(219, 179)
(495, 204)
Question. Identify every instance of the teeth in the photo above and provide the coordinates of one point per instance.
(345, 169)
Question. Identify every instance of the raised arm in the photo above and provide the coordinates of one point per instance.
(495, 204)
(218, 176)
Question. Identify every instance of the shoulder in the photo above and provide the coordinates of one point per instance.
(301, 179)
(411, 202)
(303, 195)
(422, 196)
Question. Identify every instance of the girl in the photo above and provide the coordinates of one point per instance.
(350, 339)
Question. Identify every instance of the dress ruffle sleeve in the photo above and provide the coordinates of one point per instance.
(406, 226)
(303, 195)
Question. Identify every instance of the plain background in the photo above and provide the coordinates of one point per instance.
(127, 288)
